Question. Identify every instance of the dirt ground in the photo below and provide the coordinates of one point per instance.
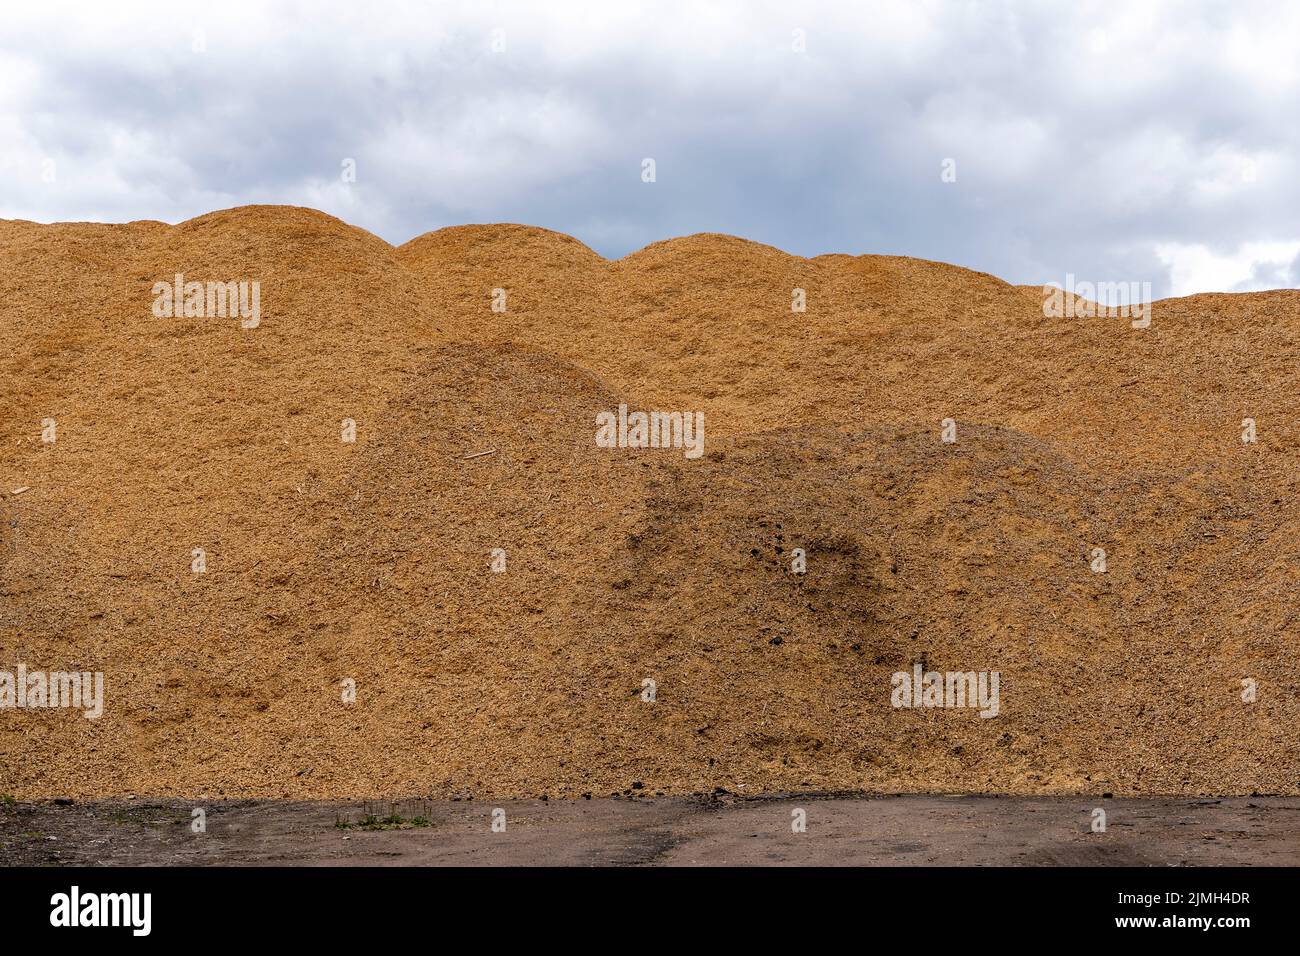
(670, 831)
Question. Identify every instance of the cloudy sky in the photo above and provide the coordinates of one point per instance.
(1115, 141)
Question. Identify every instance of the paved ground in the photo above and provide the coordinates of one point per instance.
(841, 829)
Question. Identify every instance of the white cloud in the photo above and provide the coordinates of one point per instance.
(1254, 266)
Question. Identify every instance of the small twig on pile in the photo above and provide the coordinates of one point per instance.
(480, 454)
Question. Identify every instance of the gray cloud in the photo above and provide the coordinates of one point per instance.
(1151, 144)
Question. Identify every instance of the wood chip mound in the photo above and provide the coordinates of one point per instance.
(473, 598)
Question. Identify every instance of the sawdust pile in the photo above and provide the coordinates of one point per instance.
(332, 564)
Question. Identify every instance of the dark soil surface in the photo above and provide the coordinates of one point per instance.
(707, 830)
